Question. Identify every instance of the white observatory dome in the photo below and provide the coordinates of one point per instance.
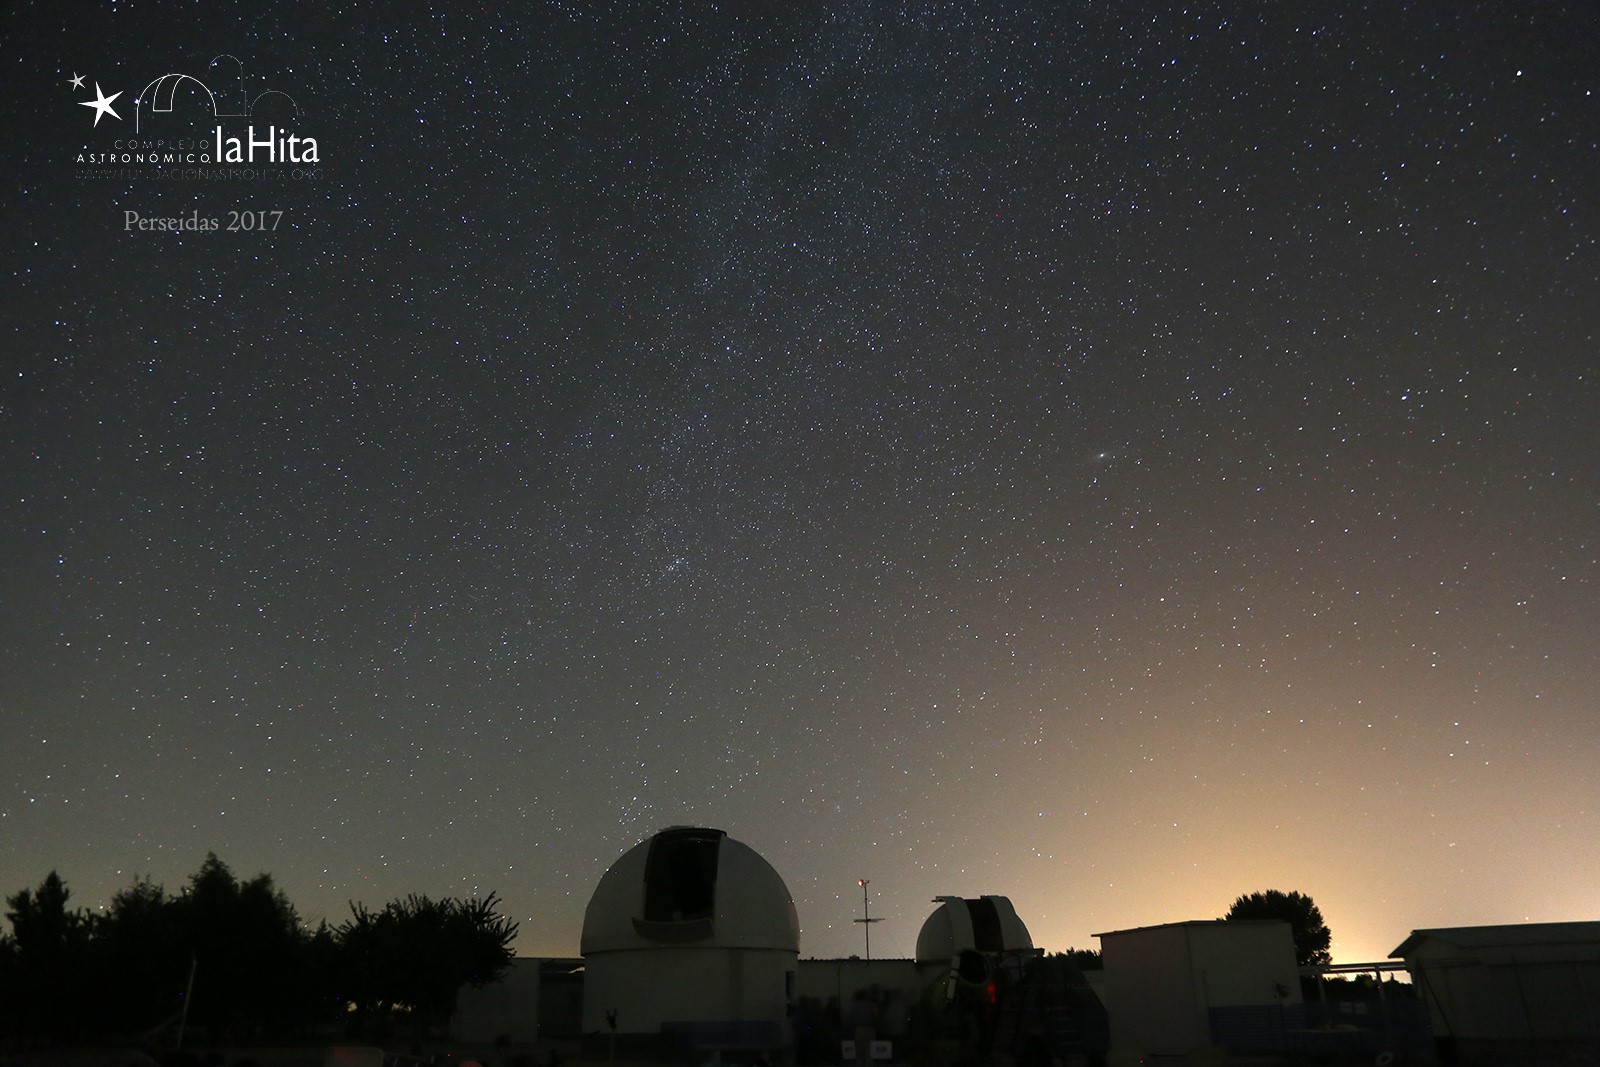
(692, 934)
(690, 886)
(986, 925)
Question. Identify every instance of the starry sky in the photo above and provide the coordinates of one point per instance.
(1116, 455)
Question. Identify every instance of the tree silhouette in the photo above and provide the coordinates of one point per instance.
(257, 970)
(1084, 959)
(244, 939)
(1311, 934)
(140, 965)
(10, 989)
(417, 953)
(48, 951)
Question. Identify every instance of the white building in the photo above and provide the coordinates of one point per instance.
(1493, 989)
(1163, 984)
(691, 934)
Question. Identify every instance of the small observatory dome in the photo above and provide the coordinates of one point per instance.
(689, 930)
(986, 925)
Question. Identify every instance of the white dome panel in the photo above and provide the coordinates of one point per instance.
(690, 886)
(986, 924)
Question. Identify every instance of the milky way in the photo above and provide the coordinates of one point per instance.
(1117, 456)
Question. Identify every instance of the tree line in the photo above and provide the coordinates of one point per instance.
(231, 960)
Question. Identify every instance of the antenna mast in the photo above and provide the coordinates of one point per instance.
(866, 919)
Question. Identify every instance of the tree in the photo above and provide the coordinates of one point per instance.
(1311, 935)
(256, 970)
(417, 953)
(10, 989)
(245, 940)
(1084, 959)
(48, 947)
(140, 966)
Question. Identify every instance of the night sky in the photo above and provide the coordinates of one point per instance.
(1116, 455)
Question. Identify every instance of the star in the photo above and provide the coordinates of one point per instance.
(77, 80)
(102, 104)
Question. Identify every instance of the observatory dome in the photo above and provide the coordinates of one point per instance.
(986, 924)
(690, 887)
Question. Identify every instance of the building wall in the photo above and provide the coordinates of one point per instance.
(1537, 993)
(561, 1000)
(509, 1007)
(1561, 999)
(1149, 992)
(1245, 964)
(894, 984)
(1161, 982)
(666, 984)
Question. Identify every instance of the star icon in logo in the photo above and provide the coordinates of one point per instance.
(101, 104)
(77, 80)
